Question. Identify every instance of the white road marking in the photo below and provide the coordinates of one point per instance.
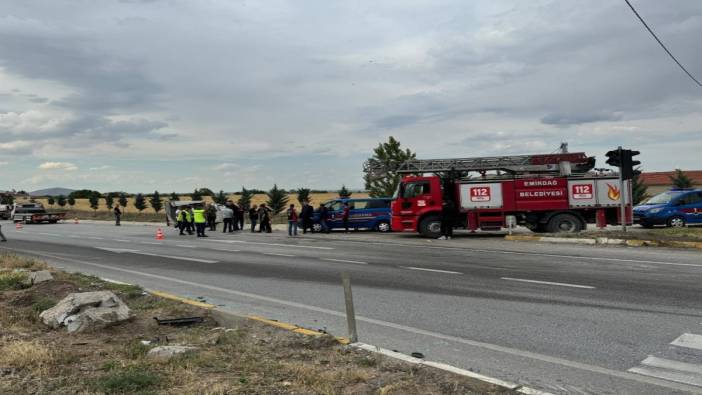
(93, 238)
(667, 369)
(150, 242)
(182, 258)
(474, 343)
(430, 270)
(49, 234)
(523, 280)
(286, 255)
(114, 281)
(344, 261)
(689, 340)
(185, 246)
(272, 244)
(121, 240)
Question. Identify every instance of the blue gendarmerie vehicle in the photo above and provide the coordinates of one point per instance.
(674, 208)
(364, 213)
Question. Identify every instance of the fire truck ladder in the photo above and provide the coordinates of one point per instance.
(519, 164)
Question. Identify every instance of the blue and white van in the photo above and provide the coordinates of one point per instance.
(674, 208)
(367, 213)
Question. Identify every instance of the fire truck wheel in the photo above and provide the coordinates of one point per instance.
(676, 222)
(566, 223)
(430, 226)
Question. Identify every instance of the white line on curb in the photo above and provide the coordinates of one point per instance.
(523, 280)
(343, 261)
(430, 270)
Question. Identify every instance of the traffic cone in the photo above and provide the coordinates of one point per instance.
(159, 234)
(18, 225)
(75, 220)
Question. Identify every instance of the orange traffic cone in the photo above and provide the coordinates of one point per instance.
(159, 234)
(18, 225)
(75, 220)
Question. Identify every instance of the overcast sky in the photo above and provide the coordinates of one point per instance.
(174, 94)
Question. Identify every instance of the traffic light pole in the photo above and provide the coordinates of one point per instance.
(622, 197)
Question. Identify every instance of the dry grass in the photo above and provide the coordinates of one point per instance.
(250, 359)
(12, 261)
(24, 354)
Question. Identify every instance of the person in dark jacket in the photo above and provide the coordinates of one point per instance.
(2, 236)
(118, 215)
(448, 208)
(345, 216)
(211, 216)
(237, 214)
(323, 216)
(253, 217)
(240, 214)
(306, 215)
(264, 216)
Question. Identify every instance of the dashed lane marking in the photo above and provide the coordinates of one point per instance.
(121, 240)
(344, 261)
(273, 254)
(430, 270)
(524, 280)
(181, 258)
(272, 244)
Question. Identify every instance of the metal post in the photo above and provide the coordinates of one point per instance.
(622, 194)
(350, 313)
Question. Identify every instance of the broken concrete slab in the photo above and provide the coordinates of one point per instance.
(168, 352)
(38, 277)
(87, 311)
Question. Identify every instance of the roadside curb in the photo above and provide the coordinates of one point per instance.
(607, 241)
(229, 319)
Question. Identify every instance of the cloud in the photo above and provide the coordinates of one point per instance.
(58, 166)
(4, 163)
(576, 119)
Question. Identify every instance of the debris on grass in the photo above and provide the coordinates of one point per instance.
(248, 358)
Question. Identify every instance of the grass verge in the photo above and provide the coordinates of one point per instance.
(250, 358)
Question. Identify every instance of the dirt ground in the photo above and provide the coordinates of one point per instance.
(250, 358)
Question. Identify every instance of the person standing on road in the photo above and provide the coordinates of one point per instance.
(118, 215)
(235, 216)
(264, 217)
(200, 218)
(177, 217)
(323, 215)
(228, 219)
(292, 221)
(211, 213)
(345, 216)
(182, 221)
(306, 214)
(189, 224)
(240, 213)
(253, 217)
(2, 236)
(447, 215)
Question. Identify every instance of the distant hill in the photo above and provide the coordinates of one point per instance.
(51, 192)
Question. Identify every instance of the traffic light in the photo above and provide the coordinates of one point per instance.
(628, 164)
(614, 157)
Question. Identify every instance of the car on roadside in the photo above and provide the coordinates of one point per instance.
(674, 208)
(364, 213)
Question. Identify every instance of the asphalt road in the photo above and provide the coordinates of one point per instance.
(560, 318)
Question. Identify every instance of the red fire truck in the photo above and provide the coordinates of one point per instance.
(546, 193)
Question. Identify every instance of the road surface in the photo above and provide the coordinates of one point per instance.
(560, 318)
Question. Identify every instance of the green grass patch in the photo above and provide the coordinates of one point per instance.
(128, 381)
(13, 281)
(135, 350)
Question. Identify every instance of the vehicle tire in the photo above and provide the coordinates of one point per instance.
(647, 225)
(676, 222)
(564, 223)
(383, 226)
(53, 221)
(317, 227)
(430, 226)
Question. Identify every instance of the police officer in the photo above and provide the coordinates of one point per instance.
(200, 219)
(182, 221)
(118, 215)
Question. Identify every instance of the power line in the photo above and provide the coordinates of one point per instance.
(661, 43)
